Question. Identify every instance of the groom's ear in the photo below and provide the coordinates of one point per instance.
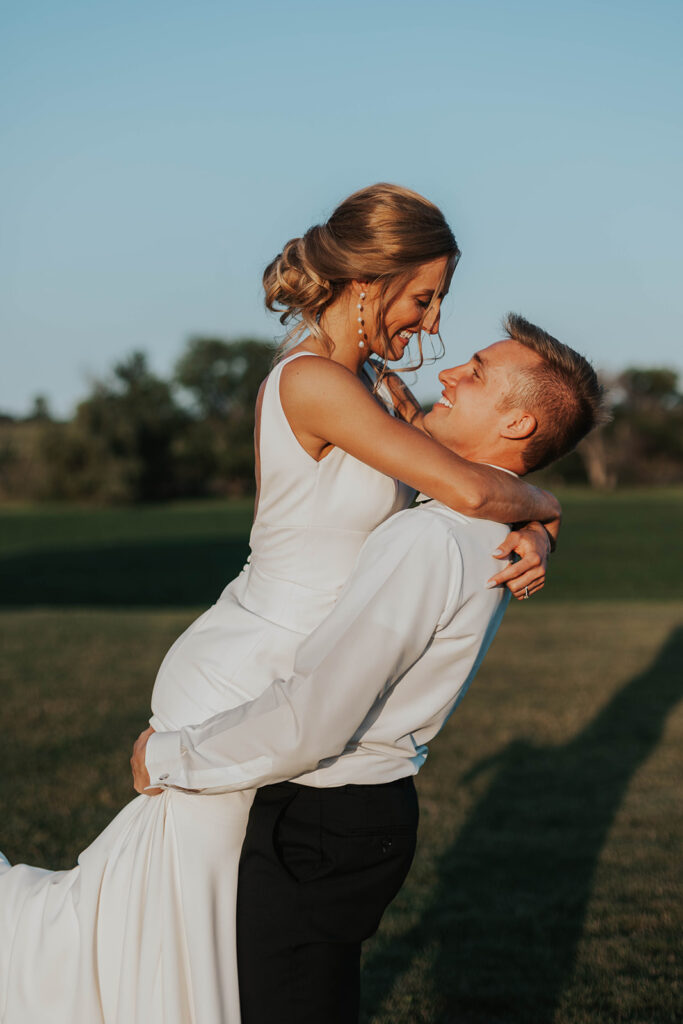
(518, 424)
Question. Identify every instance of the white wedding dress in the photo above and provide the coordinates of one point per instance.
(142, 931)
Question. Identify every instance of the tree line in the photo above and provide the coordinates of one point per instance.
(139, 437)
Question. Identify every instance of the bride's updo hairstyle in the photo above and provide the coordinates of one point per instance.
(382, 234)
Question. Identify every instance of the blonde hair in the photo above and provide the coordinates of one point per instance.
(381, 233)
(563, 392)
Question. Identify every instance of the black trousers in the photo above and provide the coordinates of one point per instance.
(318, 869)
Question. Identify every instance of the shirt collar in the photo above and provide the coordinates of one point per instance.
(422, 498)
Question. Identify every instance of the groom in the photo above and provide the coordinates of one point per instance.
(324, 855)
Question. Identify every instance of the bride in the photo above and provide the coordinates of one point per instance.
(142, 930)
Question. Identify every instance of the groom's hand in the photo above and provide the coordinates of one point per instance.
(137, 763)
(526, 575)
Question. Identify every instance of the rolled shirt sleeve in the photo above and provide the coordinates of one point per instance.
(408, 572)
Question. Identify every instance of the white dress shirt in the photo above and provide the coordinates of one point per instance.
(374, 682)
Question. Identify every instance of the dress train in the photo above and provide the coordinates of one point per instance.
(107, 941)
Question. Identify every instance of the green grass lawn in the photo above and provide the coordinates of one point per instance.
(547, 883)
(177, 555)
(624, 546)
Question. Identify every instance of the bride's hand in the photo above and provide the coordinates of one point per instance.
(526, 576)
(137, 763)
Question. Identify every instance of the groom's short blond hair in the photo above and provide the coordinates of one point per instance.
(562, 392)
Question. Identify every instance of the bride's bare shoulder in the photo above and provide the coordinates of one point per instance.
(314, 379)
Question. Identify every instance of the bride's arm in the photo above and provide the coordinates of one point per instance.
(406, 404)
(325, 404)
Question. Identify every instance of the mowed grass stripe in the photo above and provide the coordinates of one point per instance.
(623, 546)
(177, 555)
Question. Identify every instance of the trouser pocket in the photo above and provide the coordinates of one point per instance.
(348, 851)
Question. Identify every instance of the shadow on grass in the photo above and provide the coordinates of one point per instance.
(508, 911)
(170, 573)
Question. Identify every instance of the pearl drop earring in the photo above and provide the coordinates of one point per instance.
(361, 343)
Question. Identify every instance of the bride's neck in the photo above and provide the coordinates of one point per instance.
(341, 325)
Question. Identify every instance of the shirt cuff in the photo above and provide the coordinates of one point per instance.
(162, 757)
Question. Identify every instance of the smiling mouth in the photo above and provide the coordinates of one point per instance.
(445, 402)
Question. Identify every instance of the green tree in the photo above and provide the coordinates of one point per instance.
(222, 379)
(652, 390)
(131, 439)
(643, 443)
(122, 444)
(40, 410)
(647, 430)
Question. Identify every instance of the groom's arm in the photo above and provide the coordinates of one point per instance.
(407, 579)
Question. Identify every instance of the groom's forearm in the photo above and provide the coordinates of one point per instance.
(381, 624)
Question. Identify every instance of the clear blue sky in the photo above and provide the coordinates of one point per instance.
(155, 156)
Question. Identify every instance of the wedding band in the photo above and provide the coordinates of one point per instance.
(526, 594)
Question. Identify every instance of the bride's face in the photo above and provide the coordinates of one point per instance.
(416, 307)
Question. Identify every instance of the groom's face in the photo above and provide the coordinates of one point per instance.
(470, 416)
